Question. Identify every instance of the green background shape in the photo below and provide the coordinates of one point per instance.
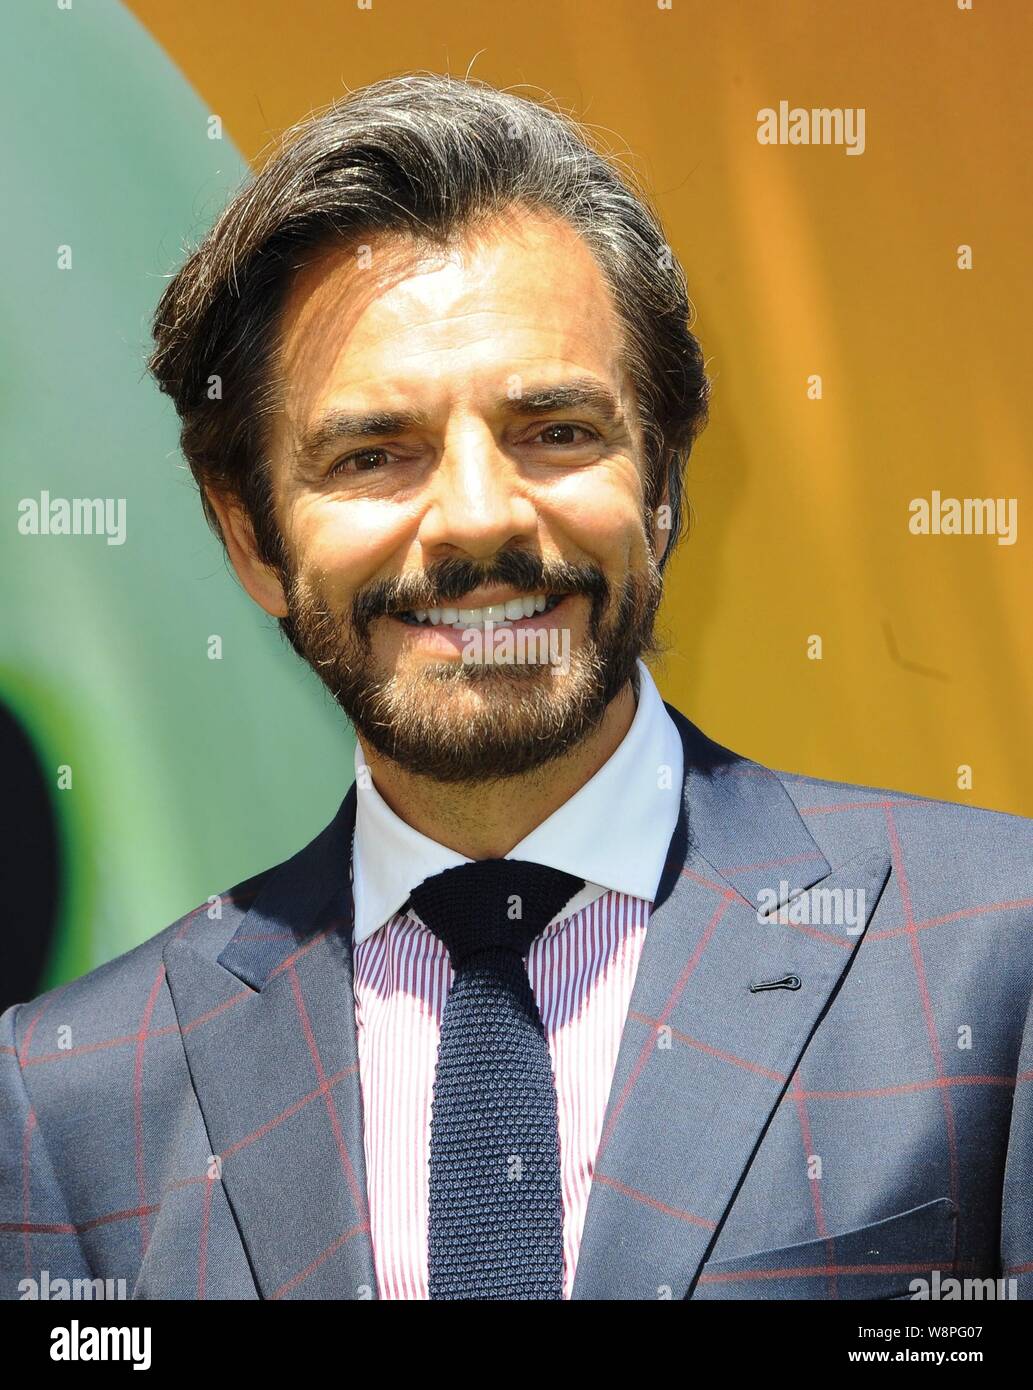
(188, 774)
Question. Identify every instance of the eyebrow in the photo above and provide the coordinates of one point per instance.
(335, 425)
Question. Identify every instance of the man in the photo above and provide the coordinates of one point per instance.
(567, 1001)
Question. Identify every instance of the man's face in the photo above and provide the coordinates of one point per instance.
(422, 477)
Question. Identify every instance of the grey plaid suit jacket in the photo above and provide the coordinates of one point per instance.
(803, 1108)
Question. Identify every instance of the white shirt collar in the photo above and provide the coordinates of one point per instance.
(613, 832)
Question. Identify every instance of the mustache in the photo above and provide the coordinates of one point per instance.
(446, 581)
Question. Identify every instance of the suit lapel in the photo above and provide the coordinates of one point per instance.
(269, 1034)
(704, 1059)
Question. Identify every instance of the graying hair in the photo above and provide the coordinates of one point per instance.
(432, 156)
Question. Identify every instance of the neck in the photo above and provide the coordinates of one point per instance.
(485, 821)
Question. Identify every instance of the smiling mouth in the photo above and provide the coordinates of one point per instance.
(498, 614)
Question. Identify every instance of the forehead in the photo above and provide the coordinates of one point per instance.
(393, 317)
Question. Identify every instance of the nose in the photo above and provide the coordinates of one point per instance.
(477, 505)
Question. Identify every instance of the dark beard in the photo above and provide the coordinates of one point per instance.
(536, 715)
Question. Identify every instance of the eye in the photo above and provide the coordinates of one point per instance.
(562, 427)
(358, 458)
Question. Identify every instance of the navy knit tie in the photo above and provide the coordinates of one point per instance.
(496, 1207)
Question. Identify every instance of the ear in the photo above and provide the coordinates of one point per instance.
(259, 579)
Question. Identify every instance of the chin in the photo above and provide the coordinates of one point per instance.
(456, 723)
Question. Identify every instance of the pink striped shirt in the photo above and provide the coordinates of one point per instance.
(582, 971)
(613, 833)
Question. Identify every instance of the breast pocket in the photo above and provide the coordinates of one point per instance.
(875, 1261)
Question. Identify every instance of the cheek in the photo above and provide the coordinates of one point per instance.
(349, 543)
(602, 517)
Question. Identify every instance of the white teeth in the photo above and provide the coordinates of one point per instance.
(511, 611)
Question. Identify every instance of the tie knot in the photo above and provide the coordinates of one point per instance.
(492, 904)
